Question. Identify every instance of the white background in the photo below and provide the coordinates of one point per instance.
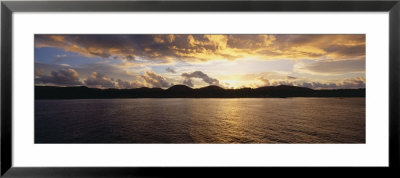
(373, 153)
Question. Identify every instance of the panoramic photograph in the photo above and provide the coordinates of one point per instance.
(200, 88)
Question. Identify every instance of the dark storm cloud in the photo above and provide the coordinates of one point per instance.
(64, 77)
(200, 75)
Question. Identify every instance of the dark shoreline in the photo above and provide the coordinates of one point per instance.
(182, 91)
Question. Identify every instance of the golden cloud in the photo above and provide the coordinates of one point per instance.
(196, 47)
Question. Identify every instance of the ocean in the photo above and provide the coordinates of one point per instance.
(201, 120)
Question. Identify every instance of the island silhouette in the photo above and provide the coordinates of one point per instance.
(183, 91)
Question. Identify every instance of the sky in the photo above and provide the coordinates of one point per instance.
(197, 60)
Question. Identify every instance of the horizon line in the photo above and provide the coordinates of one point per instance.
(195, 88)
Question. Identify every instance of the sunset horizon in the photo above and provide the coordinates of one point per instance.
(199, 60)
(200, 88)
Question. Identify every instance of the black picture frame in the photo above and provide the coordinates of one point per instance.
(8, 7)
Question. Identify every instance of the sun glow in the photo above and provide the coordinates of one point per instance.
(198, 60)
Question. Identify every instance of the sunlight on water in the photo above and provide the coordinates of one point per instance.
(241, 120)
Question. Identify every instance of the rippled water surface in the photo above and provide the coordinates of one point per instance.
(244, 120)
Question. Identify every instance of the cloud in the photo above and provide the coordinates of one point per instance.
(60, 57)
(170, 70)
(264, 81)
(44, 68)
(104, 46)
(130, 58)
(335, 47)
(105, 76)
(111, 70)
(188, 82)
(86, 70)
(197, 48)
(200, 75)
(153, 79)
(63, 77)
(99, 80)
(273, 79)
(65, 65)
(356, 82)
(331, 67)
(122, 84)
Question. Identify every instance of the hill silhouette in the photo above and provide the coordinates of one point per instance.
(183, 91)
(178, 91)
(180, 88)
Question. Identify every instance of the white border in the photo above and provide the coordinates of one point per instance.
(373, 153)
